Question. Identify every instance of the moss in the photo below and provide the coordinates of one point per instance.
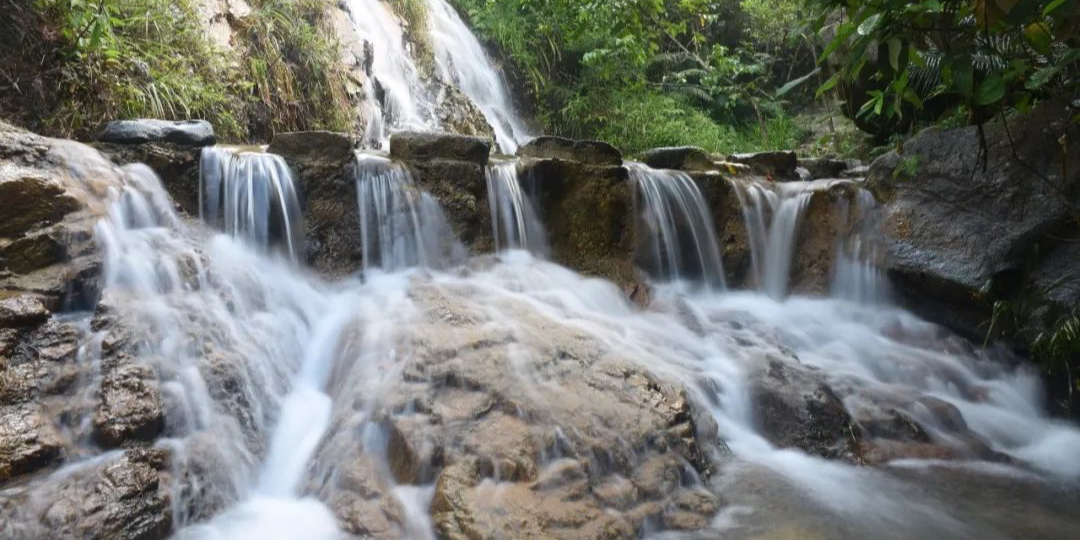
(415, 15)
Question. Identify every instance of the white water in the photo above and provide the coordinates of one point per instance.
(312, 360)
(678, 226)
(405, 98)
(513, 217)
(407, 102)
(400, 225)
(252, 195)
(462, 61)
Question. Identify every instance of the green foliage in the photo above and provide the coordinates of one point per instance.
(294, 69)
(981, 56)
(640, 119)
(131, 58)
(678, 66)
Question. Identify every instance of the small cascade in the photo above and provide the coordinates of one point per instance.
(399, 98)
(681, 235)
(772, 246)
(401, 226)
(461, 61)
(251, 195)
(856, 275)
(513, 218)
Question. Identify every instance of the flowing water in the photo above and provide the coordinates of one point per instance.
(251, 194)
(514, 220)
(281, 388)
(462, 61)
(403, 97)
(678, 227)
(400, 225)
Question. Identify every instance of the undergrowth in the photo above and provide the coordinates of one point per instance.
(70, 65)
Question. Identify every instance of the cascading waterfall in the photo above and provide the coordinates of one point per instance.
(513, 217)
(251, 194)
(462, 61)
(283, 391)
(400, 99)
(681, 234)
(772, 246)
(401, 226)
(856, 275)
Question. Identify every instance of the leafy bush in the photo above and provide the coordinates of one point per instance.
(984, 56)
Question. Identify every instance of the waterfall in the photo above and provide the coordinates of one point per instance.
(400, 225)
(462, 61)
(772, 246)
(679, 225)
(514, 221)
(399, 98)
(856, 275)
(251, 195)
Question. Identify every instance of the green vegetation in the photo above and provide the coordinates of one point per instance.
(646, 73)
(77, 63)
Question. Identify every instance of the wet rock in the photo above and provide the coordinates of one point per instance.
(32, 201)
(22, 310)
(595, 153)
(727, 214)
(460, 187)
(176, 165)
(797, 409)
(130, 408)
(28, 441)
(144, 130)
(313, 148)
(828, 219)
(413, 147)
(684, 158)
(123, 497)
(952, 223)
(588, 213)
(822, 168)
(778, 165)
(856, 172)
(460, 115)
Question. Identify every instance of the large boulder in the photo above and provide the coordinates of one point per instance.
(53, 194)
(595, 153)
(412, 147)
(588, 212)
(778, 165)
(684, 158)
(313, 148)
(959, 219)
(144, 130)
(176, 165)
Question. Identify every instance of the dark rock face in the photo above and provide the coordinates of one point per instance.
(144, 130)
(683, 158)
(820, 168)
(414, 147)
(595, 153)
(176, 165)
(589, 214)
(956, 225)
(124, 498)
(796, 409)
(22, 310)
(313, 148)
(776, 165)
(723, 201)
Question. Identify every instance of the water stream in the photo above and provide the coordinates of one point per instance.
(286, 392)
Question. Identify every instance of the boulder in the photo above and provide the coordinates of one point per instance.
(797, 409)
(779, 165)
(32, 200)
(955, 220)
(131, 407)
(588, 211)
(313, 148)
(820, 168)
(594, 153)
(125, 497)
(726, 210)
(684, 158)
(22, 310)
(412, 147)
(176, 165)
(144, 130)
(828, 220)
(28, 441)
